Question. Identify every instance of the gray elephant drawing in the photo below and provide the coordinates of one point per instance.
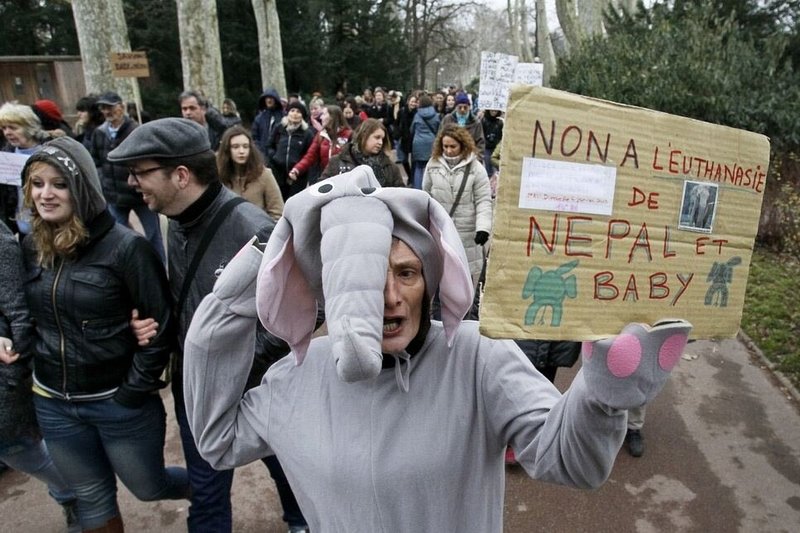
(720, 276)
(548, 290)
(341, 230)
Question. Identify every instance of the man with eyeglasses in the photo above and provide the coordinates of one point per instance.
(170, 162)
(121, 197)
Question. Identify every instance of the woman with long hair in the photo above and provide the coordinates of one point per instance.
(327, 143)
(241, 169)
(95, 389)
(370, 146)
(454, 166)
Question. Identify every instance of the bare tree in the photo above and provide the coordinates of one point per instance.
(513, 26)
(544, 43)
(270, 52)
(101, 30)
(201, 58)
(581, 19)
(429, 30)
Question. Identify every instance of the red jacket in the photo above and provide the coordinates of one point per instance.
(322, 150)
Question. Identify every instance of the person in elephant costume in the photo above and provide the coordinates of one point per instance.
(393, 421)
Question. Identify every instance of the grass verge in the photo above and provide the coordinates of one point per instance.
(771, 314)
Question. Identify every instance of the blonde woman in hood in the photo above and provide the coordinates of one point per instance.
(95, 389)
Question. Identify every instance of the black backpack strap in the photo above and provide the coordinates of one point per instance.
(216, 222)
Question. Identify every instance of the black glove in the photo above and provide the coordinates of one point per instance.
(481, 237)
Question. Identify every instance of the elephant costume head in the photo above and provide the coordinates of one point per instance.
(332, 246)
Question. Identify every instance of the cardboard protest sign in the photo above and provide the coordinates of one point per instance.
(609, 214)
(11, 168)
(130, 65)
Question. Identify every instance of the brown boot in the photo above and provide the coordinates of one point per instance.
(112, 526)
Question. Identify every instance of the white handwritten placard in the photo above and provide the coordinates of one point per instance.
(529, 74)
(11, 168)
(565, 186)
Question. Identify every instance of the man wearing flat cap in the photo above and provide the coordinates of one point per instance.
(121, 197)
(171, 164)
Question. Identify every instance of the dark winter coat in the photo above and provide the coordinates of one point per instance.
(114, 176)
(267, 119)
(17, 416)
(387, 172)
(424, 128)
(492, 131)
(285, 149)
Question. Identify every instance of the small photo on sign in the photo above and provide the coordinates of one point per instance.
(698, 207)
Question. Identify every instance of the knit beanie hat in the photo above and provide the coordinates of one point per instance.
(462, 98)
(298, 105)
(48, 111)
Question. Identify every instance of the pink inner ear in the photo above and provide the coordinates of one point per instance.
(624, 355)
(586, 349)
(455, 287)
(285, 303)
(671, 351)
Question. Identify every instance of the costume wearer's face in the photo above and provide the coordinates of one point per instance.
(240, 149)
(50, 193)
(450, 146)
(402, 298)
(158, 186)
(192, 110)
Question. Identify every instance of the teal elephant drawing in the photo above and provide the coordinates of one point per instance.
(549, 289)
(719, 277)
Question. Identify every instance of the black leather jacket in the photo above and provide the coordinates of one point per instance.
(83, 343)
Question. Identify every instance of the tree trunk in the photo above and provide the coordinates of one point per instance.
(201, 58)
(513, 26)
(544, 43)
(580, 19)
(101, 30)
(525, 46)
(270, 52)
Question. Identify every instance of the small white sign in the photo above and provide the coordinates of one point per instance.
(11, 168)
(529, 74)
(563, 186)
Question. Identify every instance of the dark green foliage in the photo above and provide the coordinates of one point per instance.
(725, 62)
(693, 64)
(771, 314)
(33, 27)
(332, 45)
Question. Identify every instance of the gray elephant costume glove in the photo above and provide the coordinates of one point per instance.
(332, 245)
(630, 369)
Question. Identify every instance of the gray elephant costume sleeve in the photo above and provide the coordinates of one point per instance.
(414, 446)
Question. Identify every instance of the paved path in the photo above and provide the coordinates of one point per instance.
(722, 455)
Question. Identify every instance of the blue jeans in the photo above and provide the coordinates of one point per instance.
(30, 455)
(487, 162)
(210, 510)
(150, 224)
(93, 441)
(419, 172)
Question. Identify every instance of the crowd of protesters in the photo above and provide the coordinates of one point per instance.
(75, 273)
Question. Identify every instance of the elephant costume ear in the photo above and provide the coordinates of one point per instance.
(285, 302)
(455, 286)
